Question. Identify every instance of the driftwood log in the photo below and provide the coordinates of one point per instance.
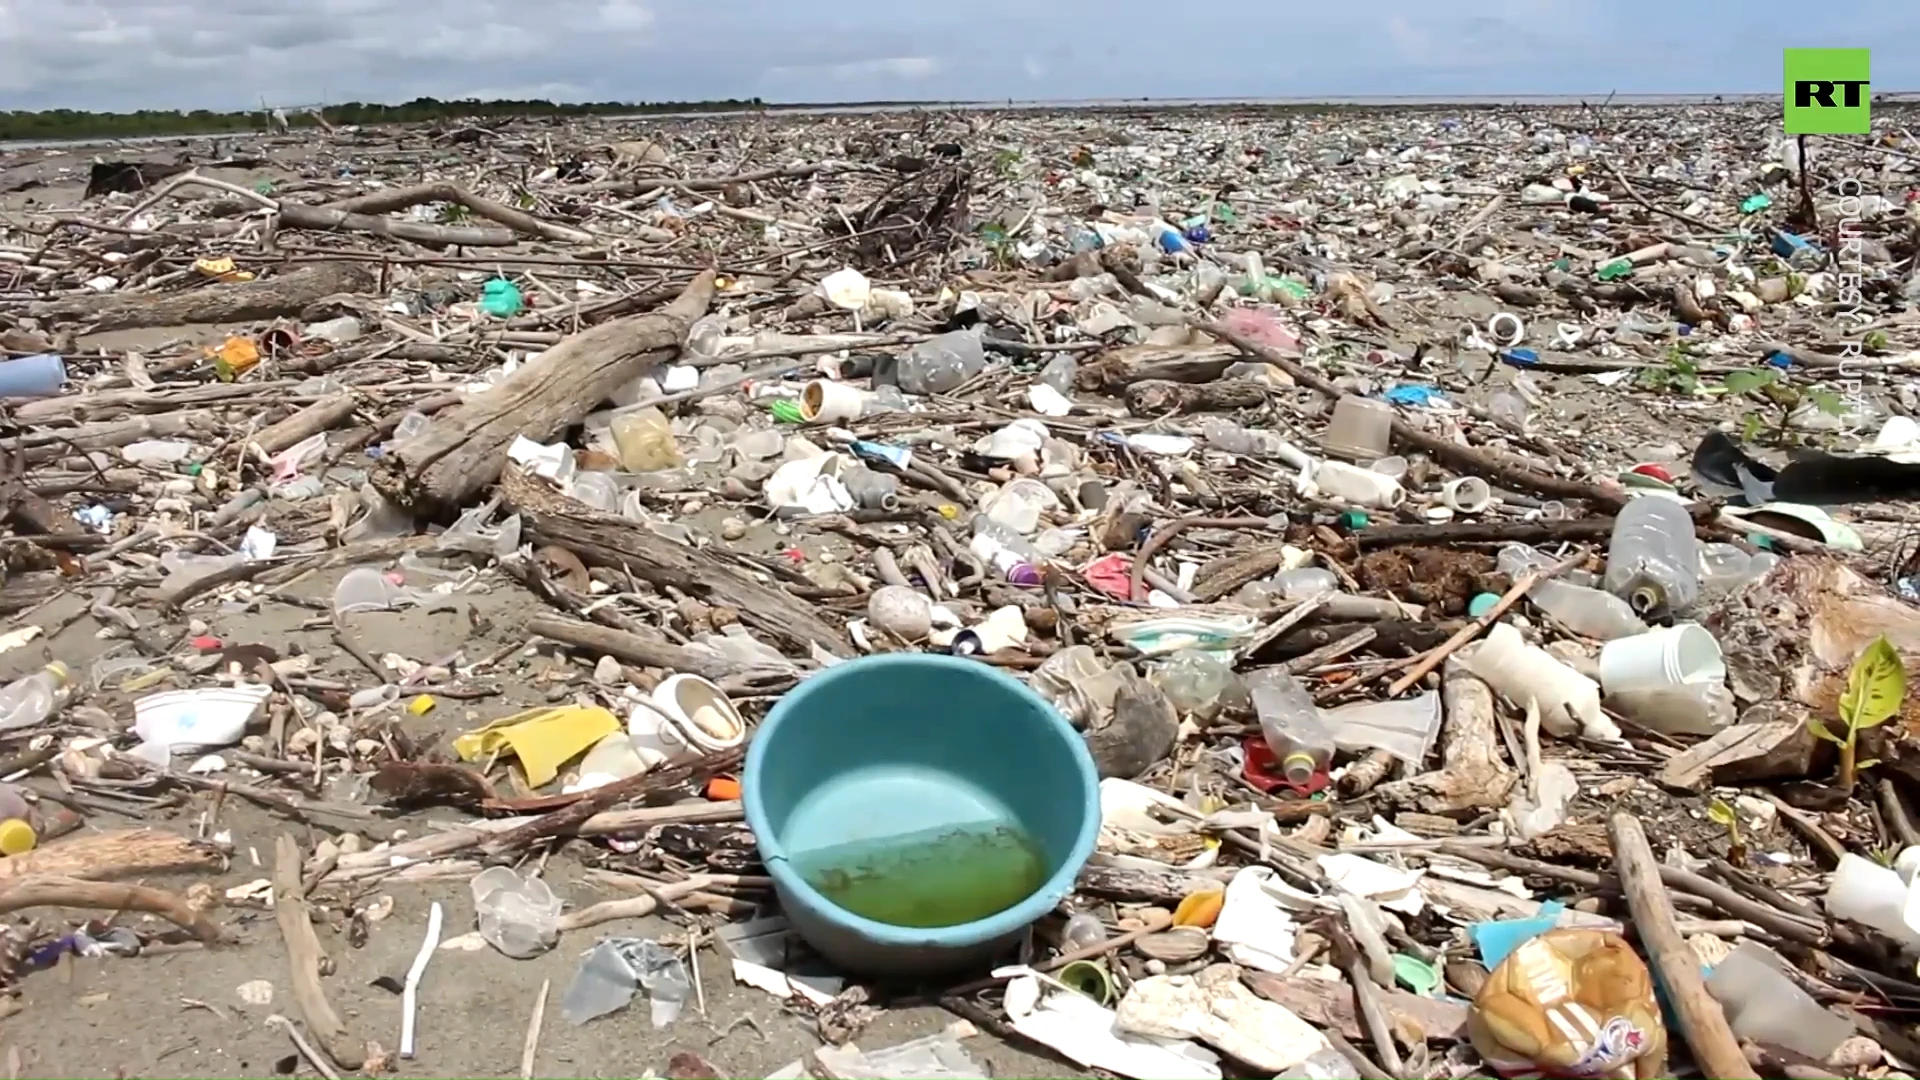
(465, 449)
(608, 540)
(216, 302)
(129, 853)
(1112, 372)
(1158, 397)
(1472, 774)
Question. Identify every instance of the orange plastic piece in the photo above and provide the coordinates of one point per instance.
(1200, 908)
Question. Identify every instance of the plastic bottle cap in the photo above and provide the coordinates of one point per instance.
(16, 837)
(1299, 768)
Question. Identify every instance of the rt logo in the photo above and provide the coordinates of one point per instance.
(1827, 92)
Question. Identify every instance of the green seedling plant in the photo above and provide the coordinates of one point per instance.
(1723, 815)
(1876, 688)
(1775, 401)
(1677, 373)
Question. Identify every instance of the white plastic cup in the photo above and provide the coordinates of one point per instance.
(828, 402)
(1670, 656)
(39, 376)
(1467, 495)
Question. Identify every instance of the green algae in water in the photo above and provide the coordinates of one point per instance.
(938, 877)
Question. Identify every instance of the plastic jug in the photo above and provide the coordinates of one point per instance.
(1653, 561)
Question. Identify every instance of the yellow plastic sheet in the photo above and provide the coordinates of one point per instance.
(543, 739)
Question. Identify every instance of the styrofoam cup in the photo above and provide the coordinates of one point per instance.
(829, 402)
(1670, 656)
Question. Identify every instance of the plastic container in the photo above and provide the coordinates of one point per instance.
(1653, 561)
(1361, 487)
(34, 699)
(1872, 895)
(939, 792)
(940, 364)
(1360, 429)
(1083, 931)
(1587, 612)
(1725, 567)
(645, 441)
(871, 490)
(1691, 709)
(520, 916)
(1670, 656)
(37, 376)
(1291, 724)
(1764, 1005)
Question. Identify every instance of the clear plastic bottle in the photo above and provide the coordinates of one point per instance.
(1006, 551)
(940, 364)
(645, 440)
(1653, 561)
(1288, 586)
(1291, 724)
(1725, 567)
(34, 699)
(1230, 438)
(1587, 612)
(1059, 372)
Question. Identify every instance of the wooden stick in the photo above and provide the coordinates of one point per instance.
(1472, 630)
(50, 891)
(307, 1050)
(303, 958)
(1703, 1024)
(532, 1046)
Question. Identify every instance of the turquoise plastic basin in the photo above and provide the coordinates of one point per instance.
(905, 744)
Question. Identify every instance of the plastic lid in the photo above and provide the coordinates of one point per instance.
(1299, 768)
(16, 837)
(60, 671)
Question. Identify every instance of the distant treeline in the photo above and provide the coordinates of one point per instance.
(81, 124)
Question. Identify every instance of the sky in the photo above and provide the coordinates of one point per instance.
(123, 55)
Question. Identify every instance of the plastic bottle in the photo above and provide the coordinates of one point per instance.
(1291, 724)
(940, 364)
(1006, 551)
(1059, 372)
(32, 700)
(1230, 438)
(1288, 586)
(1725, 567)
(1587, 612)
(645, 440)
(1653, 561)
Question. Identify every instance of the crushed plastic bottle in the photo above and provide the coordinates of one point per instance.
(1291, 724)
(1228, 437)
(1198, 683)
(940, 364)
(1653, 561)
(34, 699)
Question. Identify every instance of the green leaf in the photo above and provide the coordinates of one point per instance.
(1750, 427)
(1876, 686)
(1827, 402)
(1745, 382)
(1863, 766)
(1721, 814)
(1819, 731)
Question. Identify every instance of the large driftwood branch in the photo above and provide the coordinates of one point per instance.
(216, 302)
(49, 891)
(303, 958)
(101, 856)
(301, 216)
(609, 540)
(1472, 774)
(466, 446)
(385, 202)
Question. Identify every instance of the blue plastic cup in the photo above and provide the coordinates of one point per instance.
(917, 811)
